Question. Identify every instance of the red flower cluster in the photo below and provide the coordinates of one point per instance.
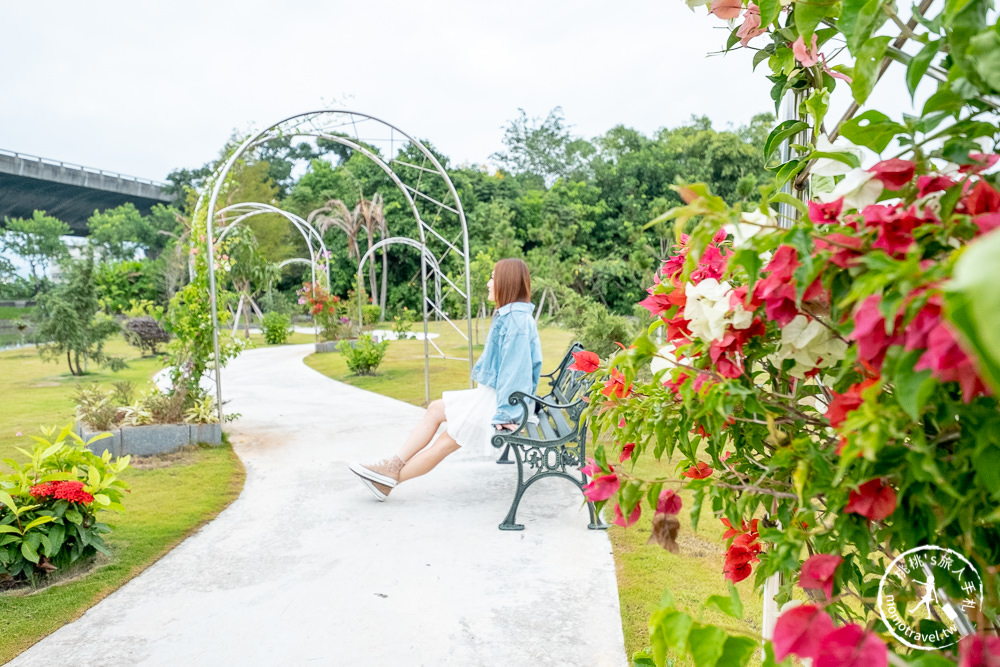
(585, 361)
(742, 551)
(318, 299)
(71, 491)
(616, 385)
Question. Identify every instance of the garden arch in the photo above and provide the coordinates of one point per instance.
(436, 220)
(436, 303)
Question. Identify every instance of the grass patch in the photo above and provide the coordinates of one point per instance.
(13, 312)
(172, 495)
(645, 571)
(166, 505)
(401, 374)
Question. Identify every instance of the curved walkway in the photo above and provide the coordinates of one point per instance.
(306, 568)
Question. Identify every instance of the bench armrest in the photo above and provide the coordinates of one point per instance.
(521, 398)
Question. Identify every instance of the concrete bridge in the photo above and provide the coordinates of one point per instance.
(67, 191)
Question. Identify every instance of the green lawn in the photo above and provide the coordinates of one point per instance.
(167, 503)
(643, 571)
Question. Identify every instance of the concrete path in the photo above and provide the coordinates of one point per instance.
(307, 568)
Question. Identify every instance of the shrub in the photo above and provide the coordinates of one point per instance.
(370, 314)
(48, 507)
(596, 327)
(145, 333)
(277, 327)
(364, 357)
(96, 407)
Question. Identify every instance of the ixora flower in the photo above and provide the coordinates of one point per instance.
(810, 344)
(62, 490)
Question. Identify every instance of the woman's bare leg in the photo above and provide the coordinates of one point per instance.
(425, 460)
(421, 435)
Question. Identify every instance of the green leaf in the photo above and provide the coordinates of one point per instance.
(972, 303)
(729, 605)
(40, 521)
(57, 535)
(794, 202)
(780, 133)
(788, 171)
(918, 65)
(850, 159)
(987, 466)
(706, 645)
(769, 10)
(912, 388)
(857, 20)
(9, 529)
(737, 651)
(94, 477)
(102, 499)
(642, 659)
(984, 51)
(809, 14)
(51, 450)
(817, 104)
(943, 100)
(8, 502)
(872, 129)
(29, 552)
(668, 630)
(866, 67)
(74, 516)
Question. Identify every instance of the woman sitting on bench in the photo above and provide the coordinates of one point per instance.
(511, 361)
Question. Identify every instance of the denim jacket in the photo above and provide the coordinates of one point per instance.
(511, 359)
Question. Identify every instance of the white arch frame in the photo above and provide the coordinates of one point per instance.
(329, 124)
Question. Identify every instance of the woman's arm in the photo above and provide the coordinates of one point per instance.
(515, 374)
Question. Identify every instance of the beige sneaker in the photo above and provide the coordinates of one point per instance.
(381, 477)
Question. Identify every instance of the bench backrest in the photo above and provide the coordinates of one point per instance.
(566, 385)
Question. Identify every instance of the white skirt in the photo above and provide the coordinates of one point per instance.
(469, 413)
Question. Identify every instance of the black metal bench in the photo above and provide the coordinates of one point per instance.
(557, 445)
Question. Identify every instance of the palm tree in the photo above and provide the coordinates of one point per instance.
(368, 215)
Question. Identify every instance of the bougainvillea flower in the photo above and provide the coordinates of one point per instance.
(711, 264)
(870, 332)
(725, 9)
(851, 645)
(821, 213)
(873, 500)
(620, 519)
(601, 488)
(657, 303)
(929, 183)
(585, 361)
(799, 631)
(849, 401)
(894, 174)
(626, 452)
(751, 25)
(981, 162)
(846, 249)
(982, 199)
(808, 56)
(979, 651)
(700, 471)
(987, 222)
(895, 226)
(668, 502)
(616, 385)
(948, 362)
(818, 571)
(745, 528)
(737, 564)
(591, 468)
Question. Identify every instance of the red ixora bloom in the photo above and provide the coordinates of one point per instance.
(895, 174)
(616, 385)
(818, 571)
(63, 490)
(585, 361)
(873, 500)
(602, 487)
(700, 471)
(620, 519)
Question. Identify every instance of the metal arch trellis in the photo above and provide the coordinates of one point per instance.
(435, 304)
(330, 125)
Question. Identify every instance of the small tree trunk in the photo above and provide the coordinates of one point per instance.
(69, 362)
(246, 317)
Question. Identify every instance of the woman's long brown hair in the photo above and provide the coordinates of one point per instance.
(511, 281)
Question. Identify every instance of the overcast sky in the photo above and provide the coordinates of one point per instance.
(143, 88)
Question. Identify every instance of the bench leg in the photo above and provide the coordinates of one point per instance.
(595, 521)
(505, 457)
